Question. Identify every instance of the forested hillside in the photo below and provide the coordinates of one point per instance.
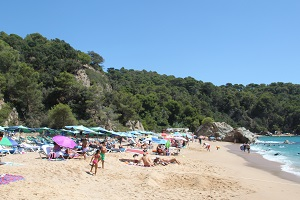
(44, 80)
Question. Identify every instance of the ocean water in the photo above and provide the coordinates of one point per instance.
(273, 148)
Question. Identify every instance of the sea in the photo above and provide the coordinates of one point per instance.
(281, 149)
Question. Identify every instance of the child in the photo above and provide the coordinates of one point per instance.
(94, 161)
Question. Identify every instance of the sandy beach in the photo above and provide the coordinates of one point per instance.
(219, 174)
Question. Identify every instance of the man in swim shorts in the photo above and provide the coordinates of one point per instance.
(103, 151)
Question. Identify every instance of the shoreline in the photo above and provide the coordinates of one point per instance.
(257, 161)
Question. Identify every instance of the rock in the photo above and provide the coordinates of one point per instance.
(83, 77)
(135, 125)
(226, 132)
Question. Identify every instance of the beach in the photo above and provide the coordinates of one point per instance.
(226, 173)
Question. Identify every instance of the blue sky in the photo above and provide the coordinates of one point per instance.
(217, 41)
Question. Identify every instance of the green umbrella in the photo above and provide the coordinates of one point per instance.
(168, 144)
(5, 142)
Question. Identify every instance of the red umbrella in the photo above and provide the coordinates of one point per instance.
(64, 141)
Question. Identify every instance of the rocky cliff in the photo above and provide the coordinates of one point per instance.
(226, 132)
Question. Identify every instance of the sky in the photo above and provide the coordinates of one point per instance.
(217, 41)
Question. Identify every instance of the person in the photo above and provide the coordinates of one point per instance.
(248, 148)
(103, 151)
(94, 162)
(135, 158)
(165, 161)
(146, 160)
(57, 151)
(207, 146)
(69, 153)
(200, 140)
(84, 147)
(56, 147)
(170, 160)
(159, 150)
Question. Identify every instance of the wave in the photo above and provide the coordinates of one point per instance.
(278, 156)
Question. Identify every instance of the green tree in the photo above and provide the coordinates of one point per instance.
(96, 59)
(207, 120)
(24, 91)
(61, 115)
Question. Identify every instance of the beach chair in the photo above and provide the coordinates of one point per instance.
(30, 148)
(5, 150)
(45, 150)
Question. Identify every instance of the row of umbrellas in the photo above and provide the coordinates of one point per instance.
(59, 139)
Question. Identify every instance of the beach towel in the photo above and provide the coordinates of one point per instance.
(139, 151)
(7, 178)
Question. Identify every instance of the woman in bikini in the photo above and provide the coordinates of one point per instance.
(94, 161)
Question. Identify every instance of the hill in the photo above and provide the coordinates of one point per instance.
(50, 83)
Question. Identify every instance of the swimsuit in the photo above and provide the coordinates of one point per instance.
(102, 156)
(95, 161)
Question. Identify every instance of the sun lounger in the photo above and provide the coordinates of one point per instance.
(30, 148)
(45, 150)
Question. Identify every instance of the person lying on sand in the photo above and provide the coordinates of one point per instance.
(134, 161)
(165, 161)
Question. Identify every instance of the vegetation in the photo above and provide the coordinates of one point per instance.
(39, 77)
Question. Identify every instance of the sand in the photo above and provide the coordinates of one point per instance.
(218, 174)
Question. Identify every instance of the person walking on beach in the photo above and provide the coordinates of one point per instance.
(200, 140)
(94, 162)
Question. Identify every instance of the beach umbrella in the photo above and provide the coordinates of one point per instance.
(177, 134)
(64, 141)
(168, 144)
(8, 142)
(180, 138)
(99, 129)
(80, 128)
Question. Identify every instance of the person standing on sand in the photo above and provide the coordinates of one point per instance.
(247, 147)
(84, 147)
(94, 161)
(200, 140)
(103, 151)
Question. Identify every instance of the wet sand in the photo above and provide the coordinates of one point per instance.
(257, 161)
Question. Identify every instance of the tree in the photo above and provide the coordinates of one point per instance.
(96, 59)
(207, 120)
(8, 57)
(24, 91)
(61, 115)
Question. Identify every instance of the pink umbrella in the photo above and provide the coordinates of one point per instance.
(64, 141)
